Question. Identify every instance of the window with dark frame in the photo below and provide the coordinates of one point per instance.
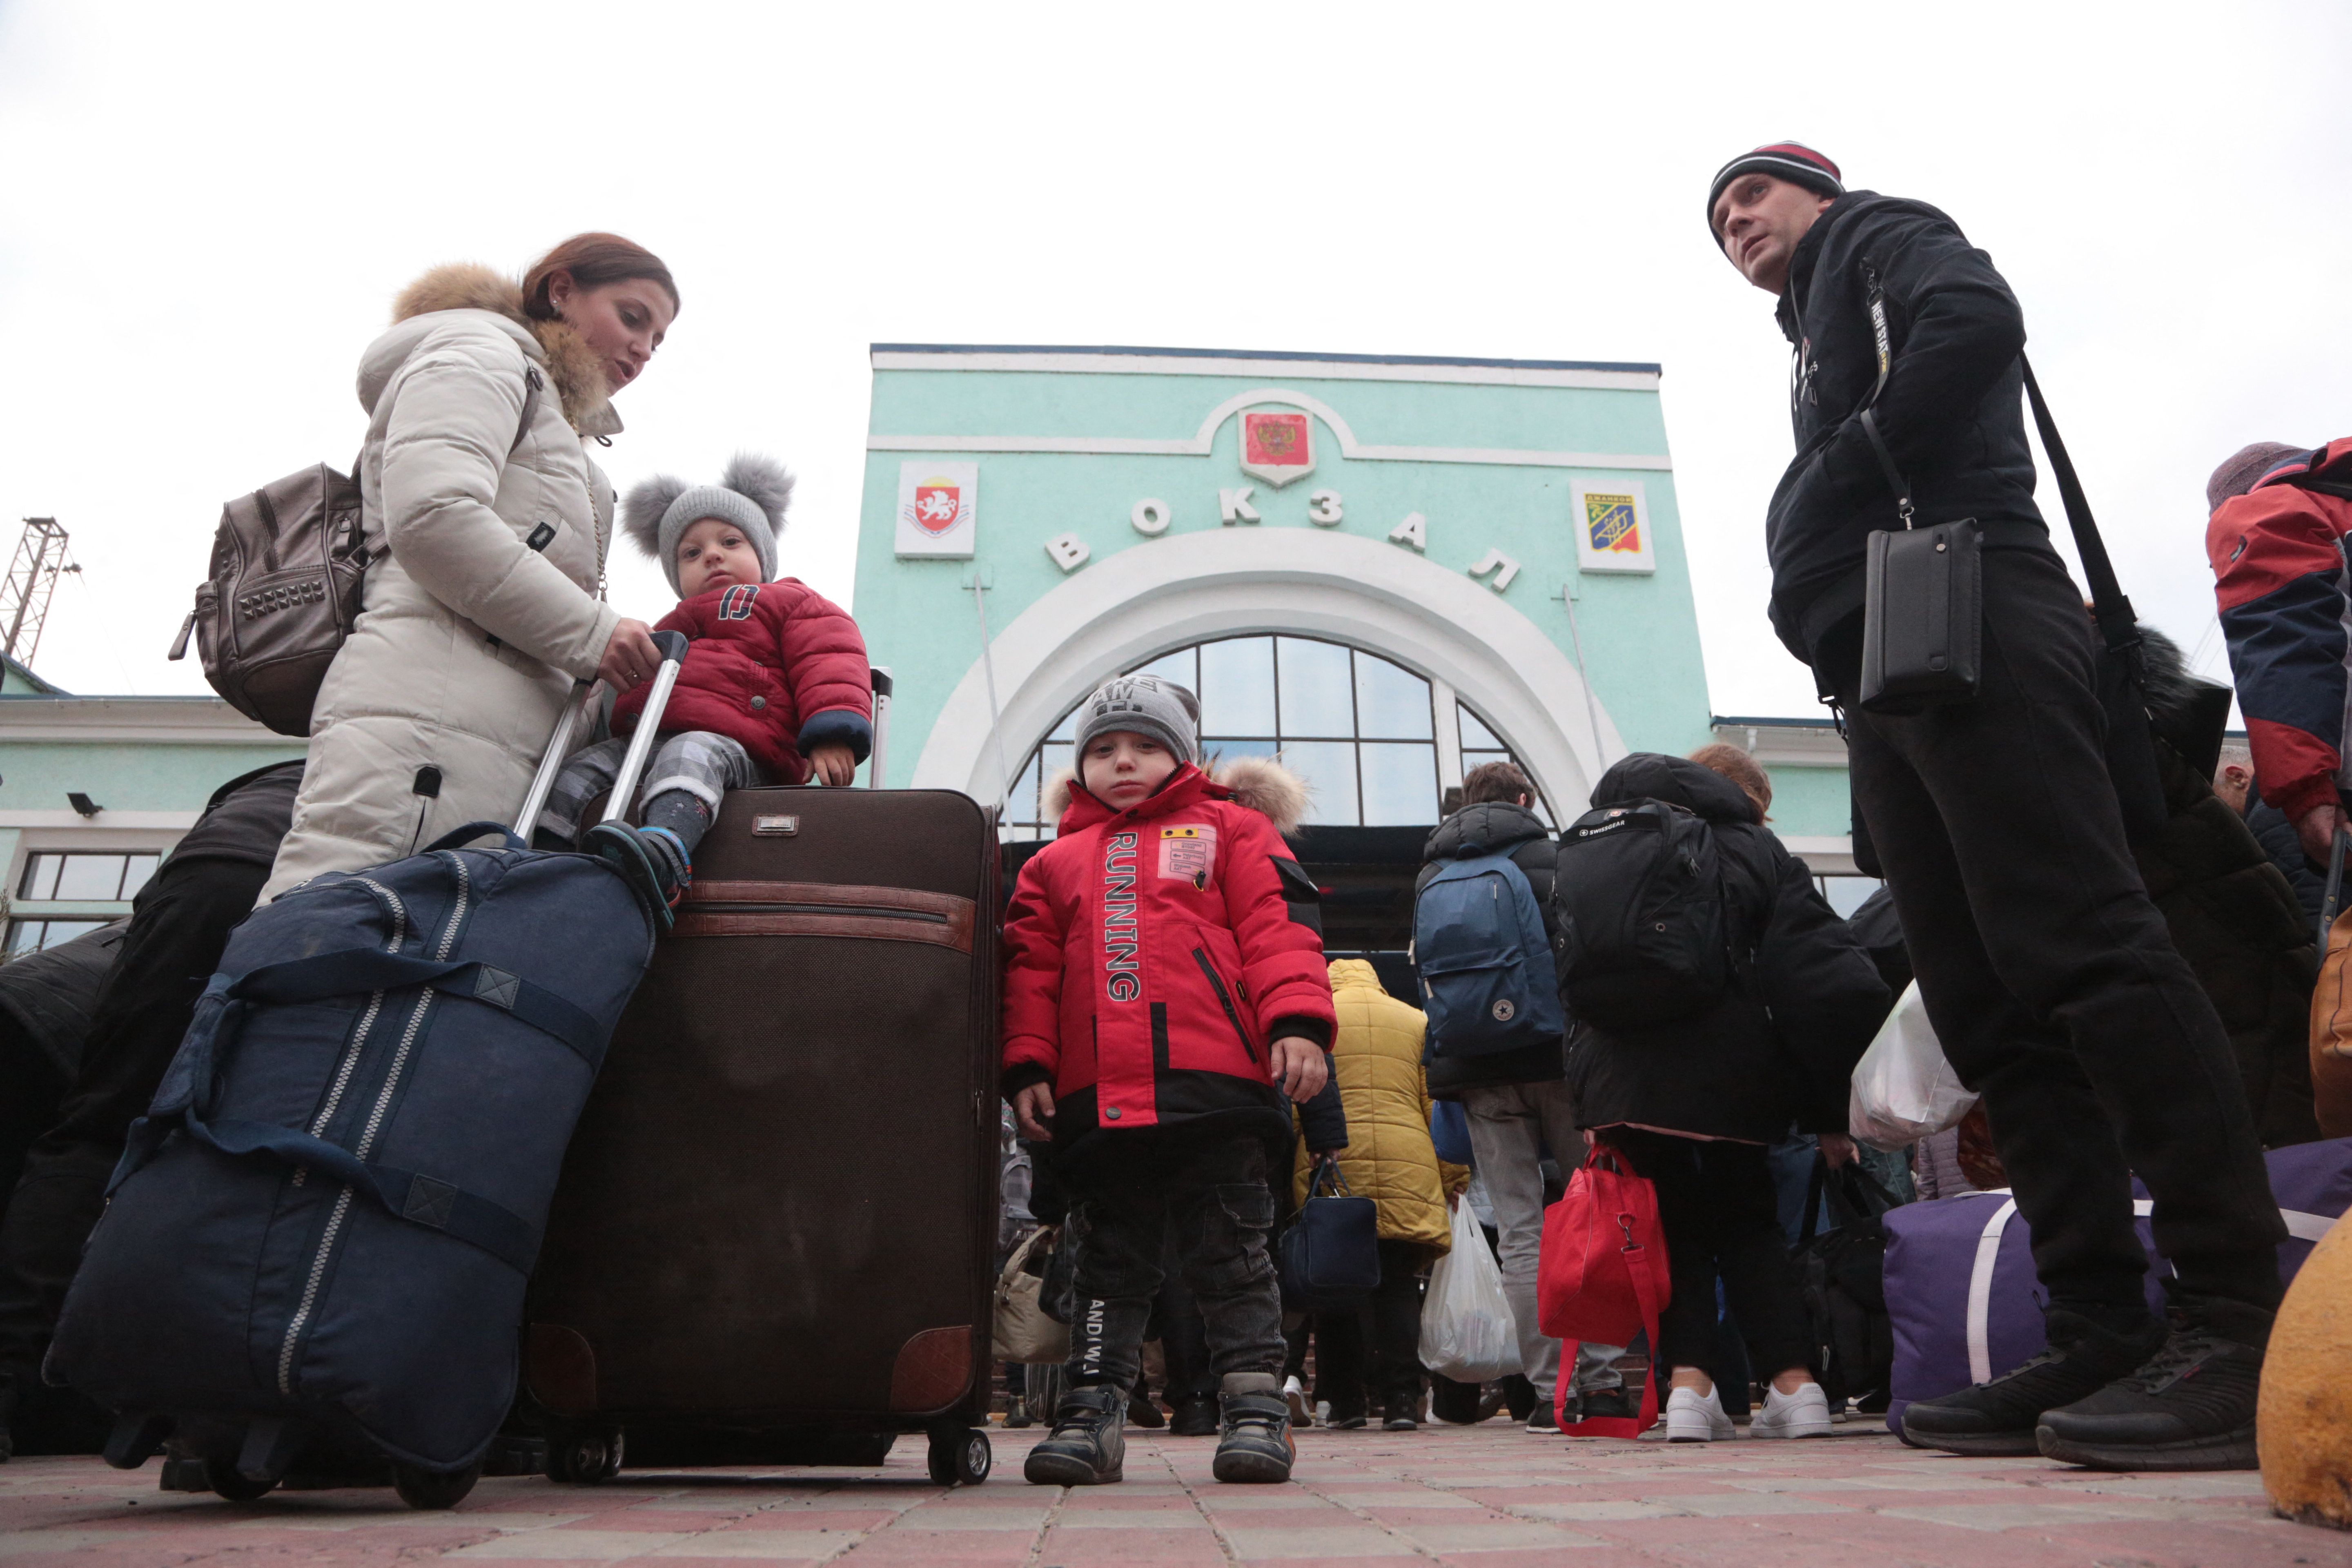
(1358, 728)
(84, 876)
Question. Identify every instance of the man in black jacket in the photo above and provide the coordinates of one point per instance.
(1516, 1101)
(180, 923)
(2045, 969)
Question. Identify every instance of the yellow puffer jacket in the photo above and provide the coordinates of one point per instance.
(1388, 1158)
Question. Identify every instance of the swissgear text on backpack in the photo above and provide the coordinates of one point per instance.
(315, 1248)
(1638, 898)
(1486, 978)
(290, 564)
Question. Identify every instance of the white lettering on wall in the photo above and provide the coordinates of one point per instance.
(1489, 562)
(1068, 550)
(1234, 506)
(1412, 530)
(1323, 509)
(1150, 517)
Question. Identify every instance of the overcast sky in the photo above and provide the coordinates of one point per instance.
(205, 210)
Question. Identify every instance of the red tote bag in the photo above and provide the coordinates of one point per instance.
(1602, 1276)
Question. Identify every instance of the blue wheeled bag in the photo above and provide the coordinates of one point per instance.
(315, 1248)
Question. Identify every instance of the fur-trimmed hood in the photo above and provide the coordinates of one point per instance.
(572, 366)
(1261, 783)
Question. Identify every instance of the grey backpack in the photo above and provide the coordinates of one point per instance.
(290, 564)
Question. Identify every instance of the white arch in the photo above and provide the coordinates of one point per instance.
(1185, 588)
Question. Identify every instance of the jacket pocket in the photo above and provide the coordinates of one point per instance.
(1224, 1000)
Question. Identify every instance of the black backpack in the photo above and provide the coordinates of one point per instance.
(1842, 1274)
(1638, 901)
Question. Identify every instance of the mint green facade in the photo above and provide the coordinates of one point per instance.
(1068, 442)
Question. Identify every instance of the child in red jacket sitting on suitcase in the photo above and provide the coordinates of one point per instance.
(775, 689)
(1165, 988)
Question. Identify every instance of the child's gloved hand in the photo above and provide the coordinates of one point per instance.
(834, 764)
(1300, 1066)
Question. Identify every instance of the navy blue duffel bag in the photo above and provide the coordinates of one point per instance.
(318, 1238)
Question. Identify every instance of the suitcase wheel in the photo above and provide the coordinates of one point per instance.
(583, 1458)
(959, 1457)
(223, 1477)
(434, 1489)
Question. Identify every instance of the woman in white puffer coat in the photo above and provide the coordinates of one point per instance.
(490, 527)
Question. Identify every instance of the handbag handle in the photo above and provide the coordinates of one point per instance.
(1326, 1168)
(1011, 1269)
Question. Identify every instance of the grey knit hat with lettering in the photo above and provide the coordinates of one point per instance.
(1147, 705)
(753, 494)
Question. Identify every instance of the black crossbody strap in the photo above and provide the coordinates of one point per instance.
(1874, 294)
(2109, 607)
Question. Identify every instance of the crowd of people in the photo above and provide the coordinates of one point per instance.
(2125, 988)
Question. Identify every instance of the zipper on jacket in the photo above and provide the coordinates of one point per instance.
(1224, 1000)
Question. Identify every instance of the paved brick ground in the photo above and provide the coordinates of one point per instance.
(1484, 1497)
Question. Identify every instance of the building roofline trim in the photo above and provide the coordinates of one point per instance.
(1203, 440)
(1158, 353)
(1605, 375)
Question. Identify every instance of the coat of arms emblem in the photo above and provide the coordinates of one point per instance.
(1278, 447)
(937, 504)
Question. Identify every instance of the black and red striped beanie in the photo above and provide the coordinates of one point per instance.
(1790, 161)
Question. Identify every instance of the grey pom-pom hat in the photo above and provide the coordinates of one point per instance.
(753, 494)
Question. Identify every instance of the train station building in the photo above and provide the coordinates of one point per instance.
(1388, 570)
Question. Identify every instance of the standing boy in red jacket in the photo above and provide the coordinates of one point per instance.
(1166, 990)
(775, 688)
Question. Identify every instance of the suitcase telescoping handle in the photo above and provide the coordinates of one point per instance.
(640, 742)
(874, 762)
(584, 695)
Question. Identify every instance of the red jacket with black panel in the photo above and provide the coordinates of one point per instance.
(2278, 556)
(1154, 954)
(776, 666)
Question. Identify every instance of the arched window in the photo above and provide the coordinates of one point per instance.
(1362, 732)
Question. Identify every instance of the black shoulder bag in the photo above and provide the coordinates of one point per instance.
(1923, 617)
(1923, 606)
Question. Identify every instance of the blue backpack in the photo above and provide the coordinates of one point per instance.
(1486, 978)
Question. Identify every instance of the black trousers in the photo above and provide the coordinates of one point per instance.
(1375, 1349)
(2050, 977)
(1722, 1220)
(179, 923)
(1198, 1198)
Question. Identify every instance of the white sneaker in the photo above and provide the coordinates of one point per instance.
(1695, 1417)
(1294, 1394)
(1804, 1414)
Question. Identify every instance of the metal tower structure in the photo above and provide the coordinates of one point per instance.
(33, 576)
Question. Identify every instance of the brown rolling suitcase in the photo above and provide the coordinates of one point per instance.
(774, 1238)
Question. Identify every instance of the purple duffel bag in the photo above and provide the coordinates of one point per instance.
(1960, 1288)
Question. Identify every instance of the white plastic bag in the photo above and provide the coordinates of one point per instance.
(1466, 1329)
(1904, 1090)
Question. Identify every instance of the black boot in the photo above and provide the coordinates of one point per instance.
(1999, 1416)
(1088, 1443)
(1256, 1445)
(1193, 1419)
(2192, 1407)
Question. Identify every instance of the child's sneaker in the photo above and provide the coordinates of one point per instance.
(1804, 1414)
(1256, 1445)
(1695, 1417)
(651, 860)
(1088, 1443)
